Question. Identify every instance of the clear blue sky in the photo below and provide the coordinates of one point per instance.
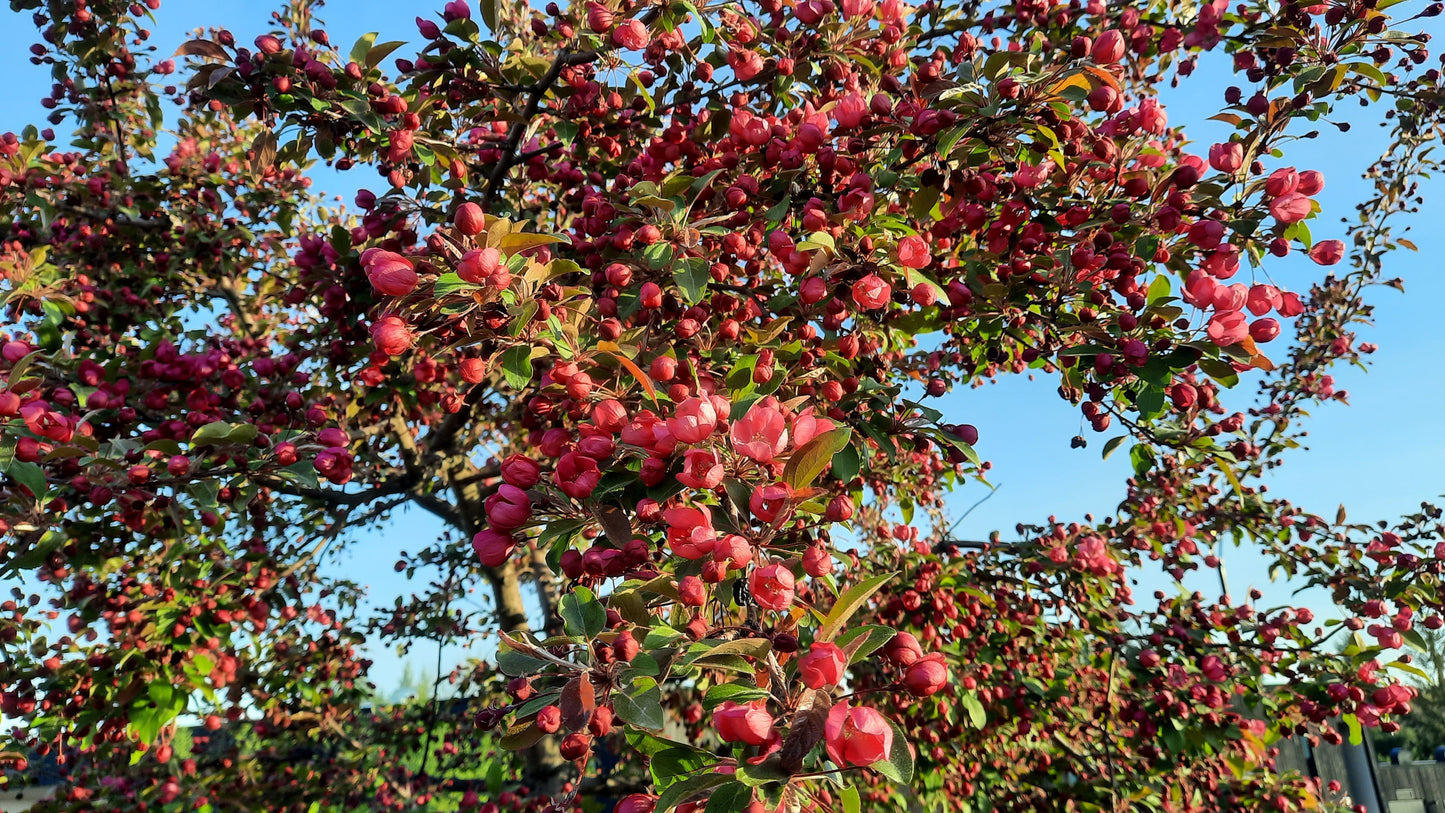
(1380, 456)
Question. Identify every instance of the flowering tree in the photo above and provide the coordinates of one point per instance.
(648, 308)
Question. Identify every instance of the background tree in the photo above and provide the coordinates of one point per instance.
(648, 311)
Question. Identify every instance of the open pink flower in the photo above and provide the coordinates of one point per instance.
(1228, 328)
(913, 252)
(857, 736)
(689, 531)
(577, 475)
(693, 421)
(631, 35)
(772, 587)
(762, 434)
(701, 468)
(871, 292)
(46, 422)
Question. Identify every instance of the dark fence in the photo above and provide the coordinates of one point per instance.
(1397, 785)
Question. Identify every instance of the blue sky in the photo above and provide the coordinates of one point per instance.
(1379, 456)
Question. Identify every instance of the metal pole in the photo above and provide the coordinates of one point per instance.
(1360, 774)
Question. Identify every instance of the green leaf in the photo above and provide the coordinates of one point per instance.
(870, 639)
(738, 692)
(449, 283)
(899, 764)
(730, 798)
(1159, 289)
(1113, 444)
(641, 704)
(669, 760)
(490, 11)
(1150, 403)
(376, 53)
(849, 603)
(516, 663)
(222, 432)
(765, 773)
(976, 714)
(847, 463)
(691, 276)
(658, 255)
(31, 476)
(204, 492)
(851, 803)
(689, 788)
(1356, 734)
(362, 46)
(517, 366)
(807, 463)
(521, 241)
(583, 614)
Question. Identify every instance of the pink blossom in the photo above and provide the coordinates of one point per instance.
(701, 468)
(493, 548)
(823, 665)
(690, 533)
(1291, 208)
(577, 475)
(1228, 328)
(768, 501)
(913, 252)
(631, 35)
(1328, 252)
(693, 421)
(509, 508)
(772, 587)
(871, 292)
(750, 723)
(762, 433)
(857, 736)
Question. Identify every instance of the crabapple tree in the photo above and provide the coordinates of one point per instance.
(648, 302)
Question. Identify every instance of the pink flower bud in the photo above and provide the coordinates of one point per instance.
(1328, 252)
(749, 723)
(521, 471)
(927, 676)
(469, 219)
(391, 335)
(1291, 208)
(822, 666)
(1108, 48)
(493, 548)
(390, 273)
(479, 265)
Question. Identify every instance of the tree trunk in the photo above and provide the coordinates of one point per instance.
(546, 593)
(545, 766)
